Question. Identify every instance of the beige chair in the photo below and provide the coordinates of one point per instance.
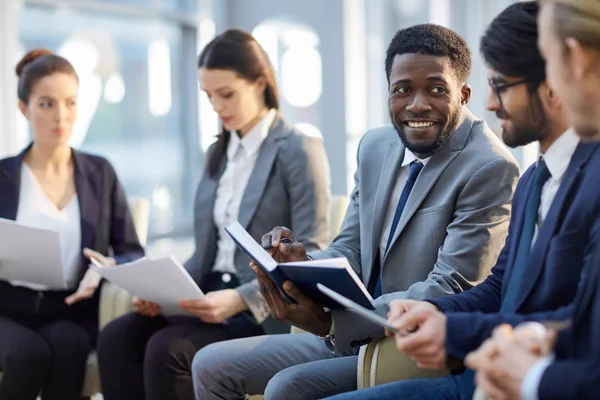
(380, 362)
(115, 301)
(339, 204)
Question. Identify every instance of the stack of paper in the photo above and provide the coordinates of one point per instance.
(162, 281)
(30, 255)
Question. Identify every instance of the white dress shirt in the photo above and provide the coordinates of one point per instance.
(557, 158)
(242, 154)
(409, 157)
(37, 211)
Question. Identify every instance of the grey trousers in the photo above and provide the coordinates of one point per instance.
(282, 367)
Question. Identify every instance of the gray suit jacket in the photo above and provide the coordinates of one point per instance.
(452, 228)
(289, 186)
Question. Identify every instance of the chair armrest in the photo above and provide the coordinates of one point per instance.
(114, 302)
(363, 369)
(382, 363)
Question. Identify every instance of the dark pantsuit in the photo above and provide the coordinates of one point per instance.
(44, 345)
(151, 358)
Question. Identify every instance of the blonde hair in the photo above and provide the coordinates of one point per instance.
(577, 19)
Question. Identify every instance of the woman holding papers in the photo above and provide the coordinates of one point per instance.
(261, 172)
(47, 332)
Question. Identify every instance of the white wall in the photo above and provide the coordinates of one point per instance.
(8, 94)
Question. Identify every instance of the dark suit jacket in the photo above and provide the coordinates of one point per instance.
(106, 222)
(289, 186)
(554, 265)
(575, 374)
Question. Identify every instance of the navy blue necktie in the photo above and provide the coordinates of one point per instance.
(466, 385)
(531, 216)
(415, 168)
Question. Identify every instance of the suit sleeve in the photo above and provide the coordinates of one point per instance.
(571, 379)
(123, 236)
(472, 245)
(472, 309)
(309, 189)
(347, 242)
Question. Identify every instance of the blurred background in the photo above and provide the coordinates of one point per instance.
(140, 105)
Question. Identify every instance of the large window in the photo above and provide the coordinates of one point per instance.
(134, 97)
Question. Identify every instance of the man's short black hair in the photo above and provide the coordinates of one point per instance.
(432, 40)
(509, 44)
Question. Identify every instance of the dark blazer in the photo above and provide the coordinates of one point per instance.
(289, 186)
(106, 222)
(575, 373)
(555, 262)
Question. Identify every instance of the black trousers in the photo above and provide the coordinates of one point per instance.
(151, 358)
(44, 344)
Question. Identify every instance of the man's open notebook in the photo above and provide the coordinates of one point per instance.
(335, 273)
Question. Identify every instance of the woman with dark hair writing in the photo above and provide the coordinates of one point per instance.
(46, 334)
(261, 172)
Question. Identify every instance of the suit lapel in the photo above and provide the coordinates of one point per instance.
(517, 219)
(10, 185)
(387, 179)
(261, 172)
(559, 207)
(432, 171)
(89, 196)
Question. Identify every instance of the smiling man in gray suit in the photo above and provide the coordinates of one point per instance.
(428, 217)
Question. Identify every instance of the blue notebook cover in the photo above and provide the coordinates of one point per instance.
(334, 273)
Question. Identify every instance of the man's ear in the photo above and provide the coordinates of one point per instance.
(553, 99)
(465, 94)
(581, 61)
(23, 109)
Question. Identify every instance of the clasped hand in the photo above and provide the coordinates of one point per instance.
(422, 332)
(503, 360)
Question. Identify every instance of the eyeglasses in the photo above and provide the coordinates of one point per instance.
(500, 88)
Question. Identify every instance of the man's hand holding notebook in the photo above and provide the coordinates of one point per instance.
(286, 273)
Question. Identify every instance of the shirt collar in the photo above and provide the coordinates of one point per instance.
(409, 157)
(252, 141)
(558, 156)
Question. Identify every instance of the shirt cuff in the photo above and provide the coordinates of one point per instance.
(531, 382)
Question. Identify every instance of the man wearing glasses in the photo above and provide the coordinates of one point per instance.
(537, 273)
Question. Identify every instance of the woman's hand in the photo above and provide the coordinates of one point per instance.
(103, 260)
(91, 280)
(145, 308)
(215, 307)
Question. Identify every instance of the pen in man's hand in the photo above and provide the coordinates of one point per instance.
(282, 240)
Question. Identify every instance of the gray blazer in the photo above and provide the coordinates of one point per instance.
(289, 186)
(451, 231)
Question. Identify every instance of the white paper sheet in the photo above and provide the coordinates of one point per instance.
(31, 255)
(162, 281)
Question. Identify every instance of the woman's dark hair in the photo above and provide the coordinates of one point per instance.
(237, 51)
(38, 64)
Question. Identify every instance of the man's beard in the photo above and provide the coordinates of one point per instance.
(426, 150)
(524, 133)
